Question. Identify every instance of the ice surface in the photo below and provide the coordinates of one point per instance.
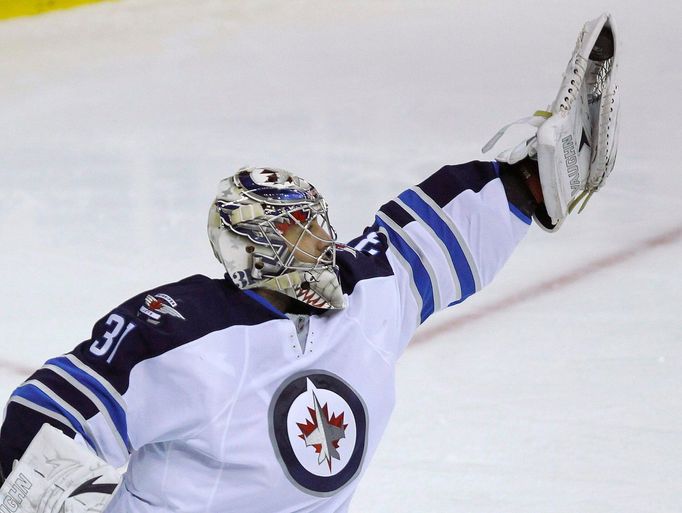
(117, 121)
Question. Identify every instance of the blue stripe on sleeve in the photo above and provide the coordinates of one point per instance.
(115, 410)
(35, 395)
(444, 233)
(519, 214)
(419, 272)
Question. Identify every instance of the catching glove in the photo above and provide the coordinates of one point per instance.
(577, 137)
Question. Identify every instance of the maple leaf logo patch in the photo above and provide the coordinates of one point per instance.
(318, 429)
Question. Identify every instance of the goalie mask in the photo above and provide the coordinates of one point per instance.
(262, 226)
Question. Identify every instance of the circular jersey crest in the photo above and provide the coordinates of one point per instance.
(318, 428)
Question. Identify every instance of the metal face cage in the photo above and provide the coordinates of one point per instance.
(272, 203)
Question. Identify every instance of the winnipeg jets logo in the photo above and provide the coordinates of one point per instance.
(318, 428)
(323, 433)
(155, 306)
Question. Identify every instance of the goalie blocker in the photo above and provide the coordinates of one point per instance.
(576, 140)
(57, 475)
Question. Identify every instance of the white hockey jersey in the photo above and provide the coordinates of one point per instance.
(216, 405)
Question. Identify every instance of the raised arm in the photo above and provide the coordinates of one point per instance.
(447, 237)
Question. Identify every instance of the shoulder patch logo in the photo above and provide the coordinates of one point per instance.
(158, 305)
(318, 429)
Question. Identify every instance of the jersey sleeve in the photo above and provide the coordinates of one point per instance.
(445, 239)
(79, 394)
(133, 382)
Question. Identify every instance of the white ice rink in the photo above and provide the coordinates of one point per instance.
(557, 389)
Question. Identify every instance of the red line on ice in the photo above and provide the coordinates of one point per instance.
(15, 368)
(552, 284)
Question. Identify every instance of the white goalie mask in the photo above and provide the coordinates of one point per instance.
(247, 224)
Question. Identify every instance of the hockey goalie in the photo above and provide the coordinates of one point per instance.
(269, 389)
